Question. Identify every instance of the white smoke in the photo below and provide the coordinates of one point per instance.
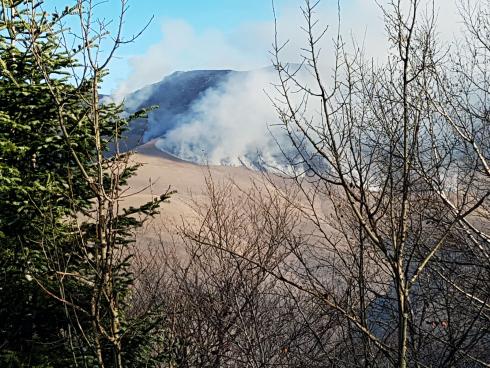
(231, 123)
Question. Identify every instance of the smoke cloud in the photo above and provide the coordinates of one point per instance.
(229, 124)
(232, 122)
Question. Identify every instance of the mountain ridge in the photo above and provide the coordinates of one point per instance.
(174, 96)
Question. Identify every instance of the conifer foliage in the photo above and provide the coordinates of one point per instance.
(65, 281)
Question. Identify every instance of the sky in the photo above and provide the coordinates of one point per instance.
(194, 34)
(167, 17)
(228, 34)
(235, 120)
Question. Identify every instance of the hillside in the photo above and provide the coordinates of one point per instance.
(173, 98)
(161, 171)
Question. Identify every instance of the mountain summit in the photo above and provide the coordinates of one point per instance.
(217, 117)
(173, 97)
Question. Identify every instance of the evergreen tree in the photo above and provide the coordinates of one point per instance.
(65, 277)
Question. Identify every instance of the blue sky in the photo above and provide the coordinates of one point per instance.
(226, 34)
(202, 15)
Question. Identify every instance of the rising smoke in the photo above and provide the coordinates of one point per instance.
(230, 124)
(234, 122)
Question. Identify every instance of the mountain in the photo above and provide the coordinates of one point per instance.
(218, 117)
(174, 96)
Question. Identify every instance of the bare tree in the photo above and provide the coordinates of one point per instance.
(388, 263)
(402, 158)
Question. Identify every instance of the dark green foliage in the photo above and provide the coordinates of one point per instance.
(35, 174)
(45, 317)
